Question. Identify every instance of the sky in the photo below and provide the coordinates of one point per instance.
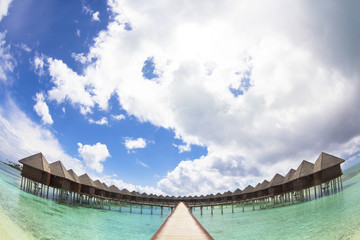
(180, 98)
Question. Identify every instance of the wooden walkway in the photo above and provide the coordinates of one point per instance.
(181, 224)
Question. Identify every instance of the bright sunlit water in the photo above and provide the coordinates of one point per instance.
(332, 217)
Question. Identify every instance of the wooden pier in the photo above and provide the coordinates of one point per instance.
(181, 224)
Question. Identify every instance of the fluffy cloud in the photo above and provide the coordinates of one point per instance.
(42, 109)
(20, 137)
(94, 155)
(183, 148)
(261, 85)
(102, 121)
(7, 62)
(138, 162)
(132, 144)
(95, 16)
(118, 117)
(4, 6)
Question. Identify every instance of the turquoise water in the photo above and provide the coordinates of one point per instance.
(333, 217)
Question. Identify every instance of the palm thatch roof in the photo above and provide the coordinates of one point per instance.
(135, 193)
(105, 187)
(86, 180)
(248, 189)
(289, 175)
(228, 193)
(264, 185)
(325, 161)
(37, 161)
(305, 169)
(277, 180)
(74, 176)
(237, 192)
(58, 169)
(257, 187)
(125, 192)
(114, 189)
(98, 185)
(210, 196)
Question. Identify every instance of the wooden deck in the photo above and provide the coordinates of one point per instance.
(181, 224)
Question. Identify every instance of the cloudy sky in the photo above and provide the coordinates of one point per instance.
(184, 97)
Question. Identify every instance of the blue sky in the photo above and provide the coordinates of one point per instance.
(206, 99)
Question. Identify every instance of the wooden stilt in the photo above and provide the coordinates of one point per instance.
(161, 210)
(130, 208)
(151, 209)
(243, 206)
(201, 208)
(21, 182)
(232, 207)
(222, 211)
(212, 210)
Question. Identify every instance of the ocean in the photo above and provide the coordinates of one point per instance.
(26, 216)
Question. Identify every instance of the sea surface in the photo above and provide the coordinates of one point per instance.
(26, 216)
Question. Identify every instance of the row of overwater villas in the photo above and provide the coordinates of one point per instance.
(324, 177)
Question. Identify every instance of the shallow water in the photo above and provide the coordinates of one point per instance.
(332, 217)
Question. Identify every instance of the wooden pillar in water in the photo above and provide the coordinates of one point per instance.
(151, 209)
(341, 181)
(212, 210)
(130, 208)
(232, 207)
(243, 206)
(109, 201)
(161, 210)
(315, 192)
(141, 206)
(222, 211)
(201, 208)
(21, 181)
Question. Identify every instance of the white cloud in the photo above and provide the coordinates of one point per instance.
(118, 117)
(42, 109)
(4, 7)
(78, 32)
(183, 148)
(102, 121)
(138, 162)
(95, 16)
(7, 62)
(299, 84)
(94, 155)
(132, 144)
(79, 57)
(20, 137)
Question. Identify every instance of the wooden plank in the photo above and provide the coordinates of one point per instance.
(181, 224)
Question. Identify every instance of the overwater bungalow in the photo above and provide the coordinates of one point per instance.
(275, 185)
(236, 195)
(256, 190)
(247, 193)
(287, 185)
(326, 168)
(35, 168)
(99, 189)
(115, 192)
(60, 177)
(75, 186)
(87, 185)
(264, 189)
(303, 176)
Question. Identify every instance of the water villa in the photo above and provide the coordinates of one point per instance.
(309, 181)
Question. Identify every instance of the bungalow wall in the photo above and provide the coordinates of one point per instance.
(35, 175)
(58, 182)
(87, 189)
(327, 174)
(304, 182)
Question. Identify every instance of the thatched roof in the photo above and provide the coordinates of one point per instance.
(86, 180)
(114, 189)
(105, 187)
(288, 175)
(125, 192)
(98, 185)
(228, 193)
(74, 176)
(325, 161)
(264, 185)
(277, 180)
(257, 187)
(58, 169)
(305, 169)
(37, 161)
(210, 196)
(135, 193)
(218, 195)
(248, 189)
(237, 192)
